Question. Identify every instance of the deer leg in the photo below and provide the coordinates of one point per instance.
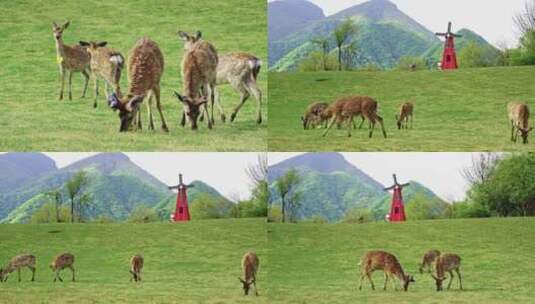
(18, 272)
(62, 82)
(149, 110)
(372, 122)
(211, 100)
(331, 123)
(70, 84)
(243, 97)
(368, 274)
(254, 284)
(217, 98)
(253, 90)
(362, 122)
(58, 276)
(451, 279)
(386, 281)
(362, 275)
(86, 82)
(33, 273)
(205, 110)
(106, 89)
(72, 269)
(512, 131)
(460, 280)
(183, 120)
(159, 107)
(95, 78)
(380, 119)
(350, 124)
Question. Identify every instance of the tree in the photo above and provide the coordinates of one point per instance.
(285, 185)
(525, 20)
(349, 51)
(57, 199)
(260, 197)
(341, 34)
(420, 207)
(48, 213)
(472, 56)
(74, 190)
(142, 214)
(481, 168)
(323, 43)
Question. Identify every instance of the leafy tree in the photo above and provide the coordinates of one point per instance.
(341, 35)
(323, 44)
(421, 207)
(358, 216)
(57, 198)
(285, 186)
(206, 206)
(48, 213)
(315, 62)
(142, 214)
(471, 56)
(74, 190)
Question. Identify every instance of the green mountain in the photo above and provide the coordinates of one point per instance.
(330, 187)
(384, 35)
(18, 168)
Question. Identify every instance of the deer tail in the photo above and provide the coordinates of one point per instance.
(255, 65)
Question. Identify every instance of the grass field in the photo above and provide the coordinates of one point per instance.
(198, 262)
(33, 119)
(462, 110)
(314, 263)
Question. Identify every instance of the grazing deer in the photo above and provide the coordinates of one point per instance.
(347, 108)
(405, 113)
(447, 263)
(428, 260)
(145, 69)
(60, 262)
(314, 114)
(16, 263)
(136, 264)
(519, 117)
(199, 70)
(240, 70)
(71, 59)
(250, 264)
(105, 63)
(388, 263)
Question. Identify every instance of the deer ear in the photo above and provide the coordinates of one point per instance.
(202, 101)
(180, 97)
(66, 25)
(134, 102)
(114, 102)
(183, 35)
(83, 43)
(102, 44)
(54, 24)
(241, 280)
(198, 35)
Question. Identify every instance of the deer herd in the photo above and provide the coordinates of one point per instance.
(202, 70)
(346, 109)
(250, 264)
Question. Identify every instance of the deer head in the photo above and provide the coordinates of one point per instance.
(438, 281)
(58, 30)
(407, 279)
(192, 107)
(127, 106)
(246, 286)
(305, 122)
(524, 132)
(189, 40)
(2, 275)
(92, 46)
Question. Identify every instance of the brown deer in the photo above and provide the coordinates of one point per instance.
(405, 114)
(388, 263)
(428, 259)
(70, 59)
(145, 69)
(314, 115)
(136, 264)
(519, 117)
(105, 63)
(250, 264)
(240, 70)
(347, 108)
(199, 71)
(60, 262)
(447, 263)
(16, 263)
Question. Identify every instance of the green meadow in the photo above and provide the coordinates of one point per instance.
(197, 262)
(33, 119)
(463, 110)
(315, 263)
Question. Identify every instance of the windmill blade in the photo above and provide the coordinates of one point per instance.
(449, 27)
(441, 34)
(389, 188)
(404, 185)
(172, 187)
(190, 186)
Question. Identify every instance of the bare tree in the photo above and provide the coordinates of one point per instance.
(56, 196)
(286, 185)
(258, 172)
(341, 35)
(74, 190)
(481, 168)
(525, 20)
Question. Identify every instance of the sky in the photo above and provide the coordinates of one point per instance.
(493, 19)
(223, 171)
(440, 172)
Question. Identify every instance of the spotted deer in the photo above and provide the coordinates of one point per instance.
(405, 114)
(314, 115)
(447, 263)
(70, 59)
(16, 263)
(240, 70)
(105, 63)
(60, 262)
(250, 264)
(199, 71)
(519, 118)
(347, 108)
(428, 259)
(145, 69)
(388, 263)
(136, 264)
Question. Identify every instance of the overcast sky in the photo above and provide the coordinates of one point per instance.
(440, 172)
(493, 19)
(223, 171)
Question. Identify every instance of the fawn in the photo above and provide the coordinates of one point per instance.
(60, 262)
(447, 263)
(71, 59)
(519, 117)
(16, 263)
(136, 264)
(405, 113)
(314, 114)
(388, 263)
(250, 264)
(428, 259)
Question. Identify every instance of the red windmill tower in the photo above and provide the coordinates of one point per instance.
(449, 58)
(397, 210)
(181, 212)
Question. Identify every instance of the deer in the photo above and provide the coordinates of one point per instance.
(16, 263)
(405, 114)
(70, 59)
(388, 263)
(199, 73)
(105, 63)
(250, 264)
(314, 114)
(136, 264)
(428, 259)
(240, 70)
(145, 69)
(347, 108)
(448, 262)
(60, 262)
(519, 118)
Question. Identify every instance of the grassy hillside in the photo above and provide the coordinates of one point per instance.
(33, 118)
(198, 262)
(463, 110)
(309, 265)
